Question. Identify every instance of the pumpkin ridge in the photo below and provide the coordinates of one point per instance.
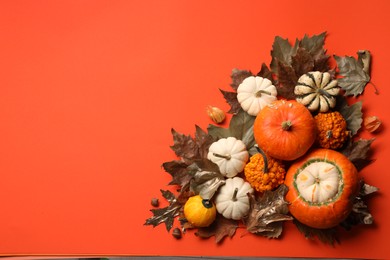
(310, 75)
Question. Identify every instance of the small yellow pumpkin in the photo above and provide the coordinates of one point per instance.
(199, 212)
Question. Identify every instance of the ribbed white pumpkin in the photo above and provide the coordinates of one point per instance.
(232, 200)
(254, 93)
(317, 91)
(229, 154)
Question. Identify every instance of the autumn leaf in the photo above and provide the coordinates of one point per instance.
(360, 214)
(240, 127)
(355, 78)
(165, 215)
(238, 76)
(302, 62)
(359, 152)
(281, 52)
(314, 45)
(266, 214)
(352, 114)
(179, 172)
(206, 178)
(221, 228)
(191, 148)
(265, 72)
(287, 80)
(326, 236)
(231, 99)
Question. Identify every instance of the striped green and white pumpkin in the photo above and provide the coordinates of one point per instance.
(317, 91)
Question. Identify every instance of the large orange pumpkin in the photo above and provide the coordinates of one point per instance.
(322, 186)
(285, 130)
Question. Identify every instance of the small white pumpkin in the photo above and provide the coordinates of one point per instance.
(232, 200)
(317, 91)
(229, 154)
(254, 93)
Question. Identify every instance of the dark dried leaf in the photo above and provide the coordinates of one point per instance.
(352, 114)
(287, 81)
(359, 153)
(203, 141)
(367, 190)
(266, 215)
(221, 228)
(190, 148)
(165, 215)
(326, 236)
(321, 64)
(240, 127)
(302, 62)
(314, 45)
(281, 52)
(354, 77)
(238, 76)
(206, 178)
(265, 72)
(178, 171)
(231, 99)
(364, 58)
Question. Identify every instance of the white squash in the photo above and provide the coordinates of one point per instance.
(317, 91)
(232, 200)
(254, 93)
(229, 154)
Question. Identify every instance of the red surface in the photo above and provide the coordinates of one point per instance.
(89, 91)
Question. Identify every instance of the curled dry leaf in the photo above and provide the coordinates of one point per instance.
(371, 123)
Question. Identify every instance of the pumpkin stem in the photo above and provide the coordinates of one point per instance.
(324, 93)
(265, 170)
(234, 197)
(286, 125)
(207, 203)
(260, 92)
(227, 156)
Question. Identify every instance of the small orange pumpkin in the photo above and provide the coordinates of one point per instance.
(285, 130)
(322, 186)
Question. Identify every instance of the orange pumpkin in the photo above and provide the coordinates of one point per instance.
(285, 130)
(322, 186)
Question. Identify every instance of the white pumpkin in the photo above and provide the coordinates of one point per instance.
(254, 93)
(229, 154)
(232, 200)
(317, 91)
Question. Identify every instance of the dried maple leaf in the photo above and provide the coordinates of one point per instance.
(315, 46)
(281, 52)
(231, 99)
(165, 215)
(351, 113)
(355, 78)
(240, 127)
(238, 76)
(190, 148)
(359, 152)
(287, 81)
(265, 72)
(206, 178)
(266, 214)
(179, 172)
(221, 228)
(302, 62)
(360, 213)
(326, 236)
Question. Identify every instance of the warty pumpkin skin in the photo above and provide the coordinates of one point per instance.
(285, 130)
(322, 186)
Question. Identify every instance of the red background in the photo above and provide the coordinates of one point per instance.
(89, 91)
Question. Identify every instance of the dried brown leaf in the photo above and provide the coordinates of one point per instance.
(221, 228)
(238, 76)
(287, 81)
(231, 99)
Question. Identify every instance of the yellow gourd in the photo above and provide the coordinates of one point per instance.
(199, 212)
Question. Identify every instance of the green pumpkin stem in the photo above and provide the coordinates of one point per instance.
(286, 125)
(265, 170)
(234, 197)
(207, 203)
(260, 92)
(227, 156)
